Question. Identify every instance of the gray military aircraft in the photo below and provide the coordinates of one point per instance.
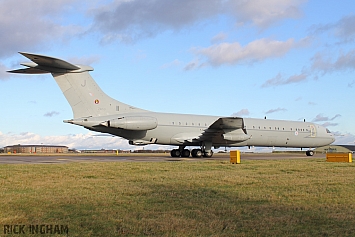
(96, 111)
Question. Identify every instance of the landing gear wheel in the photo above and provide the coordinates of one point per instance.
(175, 153)
(309, 153)
(185, 153)
(197, 153)
(208, 154)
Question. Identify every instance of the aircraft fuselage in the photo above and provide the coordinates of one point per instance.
(176, 129)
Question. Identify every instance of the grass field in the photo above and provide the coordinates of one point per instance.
(306, 197)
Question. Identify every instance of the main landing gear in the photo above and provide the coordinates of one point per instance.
(309, 153)
(196, 153)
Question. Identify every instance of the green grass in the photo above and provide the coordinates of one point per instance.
(306, 197)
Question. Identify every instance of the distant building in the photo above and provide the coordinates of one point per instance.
(336, 148)
(35, 149)
(99, 151)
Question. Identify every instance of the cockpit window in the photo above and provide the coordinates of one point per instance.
(327, 130)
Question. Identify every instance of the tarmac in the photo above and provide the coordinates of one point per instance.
(149, 157)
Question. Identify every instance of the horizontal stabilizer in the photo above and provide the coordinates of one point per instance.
(44, 64)
(28, 71)
(49, 61)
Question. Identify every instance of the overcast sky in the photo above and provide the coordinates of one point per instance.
(284, 59)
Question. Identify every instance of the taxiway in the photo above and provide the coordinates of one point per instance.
(55, 159)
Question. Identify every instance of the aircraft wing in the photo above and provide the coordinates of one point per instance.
(226, 128)
(223, 130)
(228, 123)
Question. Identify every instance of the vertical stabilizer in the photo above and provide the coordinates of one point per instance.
(83, 94)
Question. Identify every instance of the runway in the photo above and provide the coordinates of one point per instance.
(68, 158)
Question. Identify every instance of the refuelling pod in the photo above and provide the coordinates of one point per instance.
(236, 137)
(143, 142)
(136, 123)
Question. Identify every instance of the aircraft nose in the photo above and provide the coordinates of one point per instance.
(331, 138)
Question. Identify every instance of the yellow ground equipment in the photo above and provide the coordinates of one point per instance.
(234, 157)
(339, 157)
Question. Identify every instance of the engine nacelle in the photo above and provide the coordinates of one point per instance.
(136, 123)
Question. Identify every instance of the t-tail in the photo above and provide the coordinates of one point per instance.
(83, 94)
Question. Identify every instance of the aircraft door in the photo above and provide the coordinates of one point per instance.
(313, 130)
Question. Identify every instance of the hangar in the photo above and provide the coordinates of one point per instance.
(336, 148)
(35, 149)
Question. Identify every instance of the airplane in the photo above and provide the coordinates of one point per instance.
(96, 111)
